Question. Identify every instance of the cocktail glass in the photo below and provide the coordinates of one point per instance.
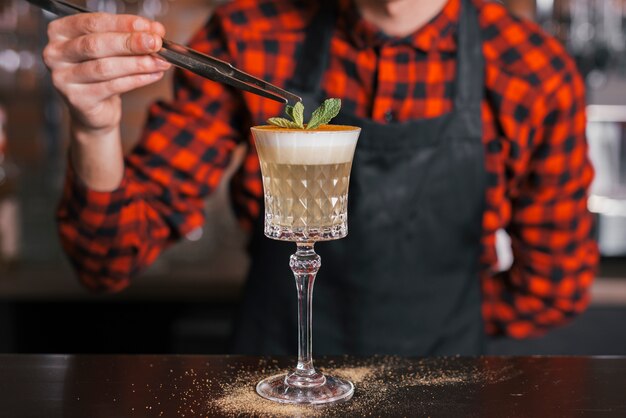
(305, 182)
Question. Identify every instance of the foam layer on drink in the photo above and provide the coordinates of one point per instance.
(297, 146)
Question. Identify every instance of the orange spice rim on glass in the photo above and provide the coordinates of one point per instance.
(306, 175)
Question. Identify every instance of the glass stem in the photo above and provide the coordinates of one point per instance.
(305, 263)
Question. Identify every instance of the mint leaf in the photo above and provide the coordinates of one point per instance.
(297, 114)
(289, 111)
(283, 123)
(324, 114)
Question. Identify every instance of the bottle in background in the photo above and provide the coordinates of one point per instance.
(10, 226)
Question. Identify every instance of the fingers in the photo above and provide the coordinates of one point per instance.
(83, 97)
(121, 85)
(96, 35)
(101, 45)
(86, 23)
(105, 69)
(158, 28)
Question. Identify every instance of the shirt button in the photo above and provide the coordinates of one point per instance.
(195, 234)
(389, 116)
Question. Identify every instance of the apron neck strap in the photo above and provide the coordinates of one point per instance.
(315, 52)
(470, 62)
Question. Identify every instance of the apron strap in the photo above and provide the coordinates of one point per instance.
(470, 66)
(315, 52)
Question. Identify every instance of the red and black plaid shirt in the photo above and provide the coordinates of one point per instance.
(534, 138)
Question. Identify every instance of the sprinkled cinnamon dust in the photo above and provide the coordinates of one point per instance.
(377, 381)
(382, 384)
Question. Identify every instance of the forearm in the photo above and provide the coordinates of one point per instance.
(97, 157)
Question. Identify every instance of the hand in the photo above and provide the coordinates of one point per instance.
(95, 57)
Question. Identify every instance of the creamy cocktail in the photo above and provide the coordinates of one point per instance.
(305, 180)
(306, 172)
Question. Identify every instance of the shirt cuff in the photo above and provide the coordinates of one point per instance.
(93, 210)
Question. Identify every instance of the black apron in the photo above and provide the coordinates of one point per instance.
(405, 280)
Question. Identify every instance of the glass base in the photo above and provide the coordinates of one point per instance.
(331, 389)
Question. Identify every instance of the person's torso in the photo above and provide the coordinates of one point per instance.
(393, 81)
(405, 279)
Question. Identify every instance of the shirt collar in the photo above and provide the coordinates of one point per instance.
(437, 34)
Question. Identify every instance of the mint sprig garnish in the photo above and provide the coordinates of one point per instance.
(321, 116)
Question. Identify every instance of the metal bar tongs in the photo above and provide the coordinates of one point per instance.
(194, 61)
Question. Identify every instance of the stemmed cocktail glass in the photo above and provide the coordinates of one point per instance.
(305, 181)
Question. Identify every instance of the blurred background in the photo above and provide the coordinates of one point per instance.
(185, 302)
